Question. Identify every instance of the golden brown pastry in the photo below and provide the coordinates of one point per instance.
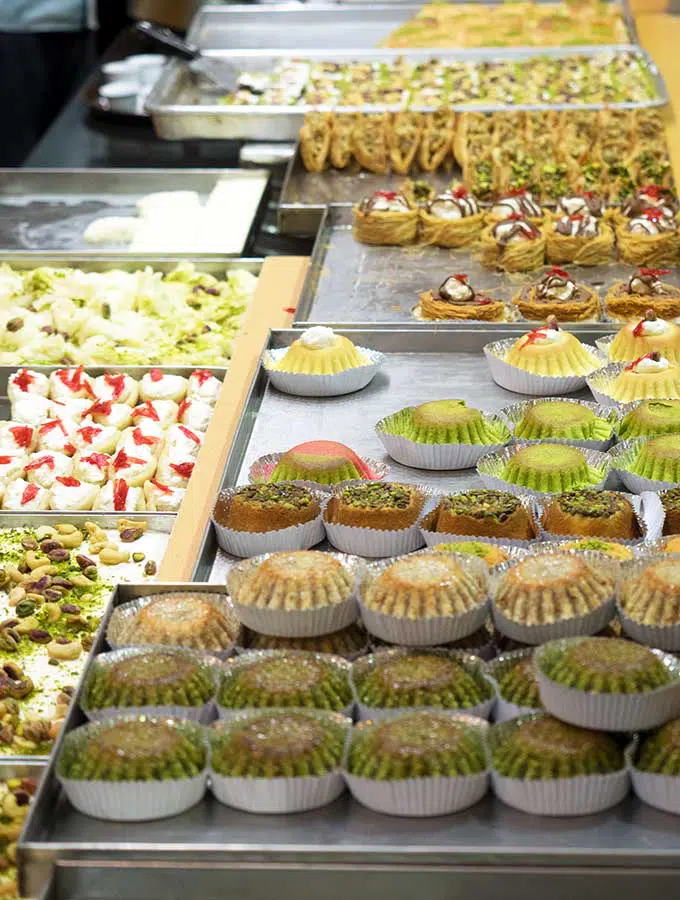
(403, 139)
(643, 291)
(591, 513)
(456, 299)
(386, 218)
(315, 141)
(513, 245)
(557, 294)
(451, 219)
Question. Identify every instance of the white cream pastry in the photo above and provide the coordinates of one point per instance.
(174, 472)
(31, 409)
(203, 386)
(182, 443)
(156, 385)
(95, 438)
(118, 496)
(74, 410)
(92, 467)
(163, 412)
(106, 412)
(17, 438)
(68, 384)
(70, 494)
(134, 469)
(26, 381)
(44, 468)
(22, 496)
(11, 467)
(116, 386)
(137, 442)
(55, 434)
(519, 204)
(195, 414)
(161, 497)
(648, 363)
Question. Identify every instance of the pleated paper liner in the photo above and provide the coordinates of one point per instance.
(515, 413)
(480, 643)
(660, 791)
(660, 637)
(311, 622)
(622, 410)
(245, 645)
(424, 796)
(623, 456)
(579, 796)
(601, 383)
(432, 537)
(496, 669)
(304, 385)
(261, 471)
(647, 523)
(203, 714)
(520, 381)
(611, 712)
(251, 543)
(279, 795)
(473, 665)
(490, 469)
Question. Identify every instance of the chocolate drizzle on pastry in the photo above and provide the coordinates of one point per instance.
(513, 229)
(651, 221)
(578, 225)
(457, 290)
(586, 204)
(646, 282)
(385, 201)
(652, 196)
(520, 203)
(556, 284)
(454, 204)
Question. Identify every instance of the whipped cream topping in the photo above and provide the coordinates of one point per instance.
(556, 286)
(111, 498)
(20, 495)
(25, 381)
(156, 385)
(319, 337)
(649, 327)
(195, 414)
(385, 201)
(649, 363)
(203, 386)
(44, 468)
(73, 496)
(645, 282)
(456, 204)
(511, 231)
(456, 289)
(578, 226)
(521, 204)
(646, 223)
(588, 204)
(651, 197)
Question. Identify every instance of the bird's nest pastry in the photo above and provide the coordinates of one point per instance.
(457, 299)
(386, 218)
(557, 294)
(451, 219)
(513, 245)
(581, 239)
(649, 239)
(642, 292)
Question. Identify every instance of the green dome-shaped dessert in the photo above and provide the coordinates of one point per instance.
(278, 745)
(543, 748)
(651, 417)
(419, 679)
(323, 462)
(550, 468)
(562, 419)
(660, 751)
(347, 642)
(285, 679)
(445, 422)
(519, 686)
(658, 459)
(140, 749)
(603, 666)
(416, 745)
(149, 678)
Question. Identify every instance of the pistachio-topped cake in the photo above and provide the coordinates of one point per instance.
(266, 507)
(611, 548)
(603, 514)
(651, 417)
(550, 468)
(445, 422)
(604, 666)
(285, 679)
(545, 748)
(376, 505)
(519, 686)
(420, 679)
(660, 751)
(562, 419)
(651, 596)
(419, 744)
(484, 513)
(670, 500)
(658, 458)
(490, 553)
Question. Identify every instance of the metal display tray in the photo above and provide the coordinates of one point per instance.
(343, 849)
(180, 110)
(234, 27)
(47, 210)
(350, 284)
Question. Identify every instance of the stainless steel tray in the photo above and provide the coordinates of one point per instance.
(351, 284)
(344, 849)
(47, 210)
(284, 27)
(128, 262)
(180, 110)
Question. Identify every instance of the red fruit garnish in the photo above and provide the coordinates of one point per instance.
(555, 270)
(122, 461)
(89, 433)
(23, 380)
(654, 273)
(203, 375)
(182, 408)
(5, 460)
(22, 434)
(74, 380)
(156, 375)
(67, 480)
(388, 195)
(517, 192)
(46, 427)
(120, 494)
(141, 439)
(100, 460)
(483, 301)
(462, 278)
(637, 331)
(161, 487)
(39, 463)
(654, 215)
(183, 469)
(69, 449)
(146, 409)
(652, 190)
(631, 365)
(576, 217)
(117, 382)
(459, 193)
(538, 334)
(30, 493)
(99, 407)
(189, 434)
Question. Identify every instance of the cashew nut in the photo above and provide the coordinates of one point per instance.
(69, 651)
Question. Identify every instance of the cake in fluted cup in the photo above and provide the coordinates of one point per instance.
(564, 420)
(670, 501)
(418, 764)
(549, 468)
(490, 514)
(658, 458)
(646, 335)
(516, 685)
(591, 513)
(650, 377)
(650, 417)
(656, 768)
(348, 643)
(321, 462)
(649, 601)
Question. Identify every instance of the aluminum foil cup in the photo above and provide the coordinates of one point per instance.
(496, 669)
(436, 456)
(491, 467)
(655, 515)
(661, 637)
(611, 712)
(295, 622)
(660, 791)
(603, 344)
(514, 379)
(514, 553)
(515, 413)
(261, 470)
(622, 456)
(646, 524)
(300, 385)
(249, 543)
(601, 383)
(432, 538)
(622, 411)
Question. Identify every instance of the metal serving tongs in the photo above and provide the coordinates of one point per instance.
(221, 76)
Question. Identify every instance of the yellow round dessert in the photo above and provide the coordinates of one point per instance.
(320, 351)
(649, 378)
(551, 351)
(490, 553)
(611, 548)
(636, 339)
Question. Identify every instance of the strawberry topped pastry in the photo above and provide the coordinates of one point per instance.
(71, 495)
(194, 413)
(106, 412)
(44, 468)
(22, 496)
(586, 204)
(646, 290)
(163, 412)
(97, 438)
(650, 377)
(456, 298)
(92, 467)
(68, 384)
(156, 385)
(55, 435)
(175, 470)
(140, 440)
(134, 469)
(27, 382)
(116, 386)
(119, 496)
(162, 497)
(182, 442)
(557, 294)
(17, 439)
(518, 203)
(203, 386)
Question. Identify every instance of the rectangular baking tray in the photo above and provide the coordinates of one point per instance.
(180, 110)
(47, 210)
(240, 26)
(213, 851)
(350, 284)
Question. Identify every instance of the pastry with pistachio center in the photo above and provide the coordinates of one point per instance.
(291, 744)
(564, 419)
(660, 751)
(285, 679)
(651, 595)
(650, 333)
(416, 745)
(552, 587)
(519, 686)
(299, 580)
(320, 351)
(483, 513)
(348, 642)
(420, 679)
(651, 417)
(259, 508)
(602, 514)
(670, 500)
(544, 748)
(611, 548)
(133, 750)
(149, 678)
(383, 506)
(650, 377)
(550, 468)
(456, 298)
(324, 462)
(490, 553)
(551, 351)
(644, 290)
(445, 422)
(425, 585)
(658, 458)
(604, 666)
(557, 294)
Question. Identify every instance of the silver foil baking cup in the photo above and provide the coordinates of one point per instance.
(622, 456)
(300, 623)
(432, 538)
(515, 413)
(496, 669)
(350, 656)
(610, 712)
(662, 637)
(261, 470)
(519, 381)
(601, 384)
(645, 525)
(623, 409)
(490, 469)
(604, 343)
(304, 385)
